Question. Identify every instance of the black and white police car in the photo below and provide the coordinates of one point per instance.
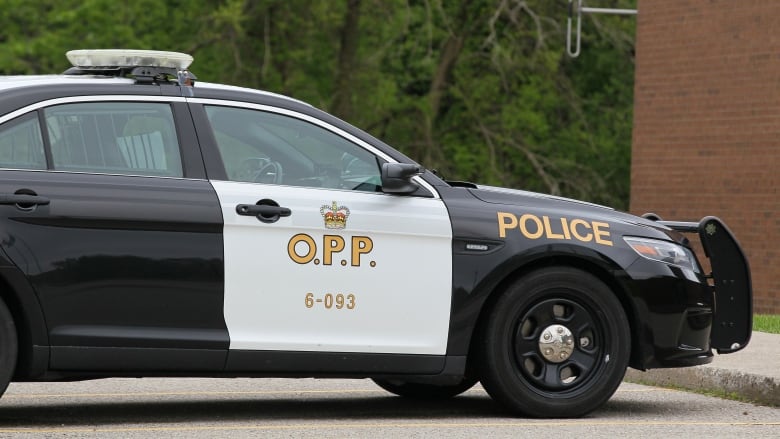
(152, 225)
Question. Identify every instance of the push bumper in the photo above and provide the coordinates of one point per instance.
(730, 282)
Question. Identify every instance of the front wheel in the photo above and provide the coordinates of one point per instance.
(556, 343)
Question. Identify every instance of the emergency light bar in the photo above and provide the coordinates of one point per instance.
(101, 58)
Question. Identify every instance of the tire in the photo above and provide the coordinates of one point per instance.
(425, 391)
(8, 347)
(523, 368)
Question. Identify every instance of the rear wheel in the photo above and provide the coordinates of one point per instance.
(556, 343)
(425, 391)
(8, 347)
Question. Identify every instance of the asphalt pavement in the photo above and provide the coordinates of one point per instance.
(752, 374)
(194, 408)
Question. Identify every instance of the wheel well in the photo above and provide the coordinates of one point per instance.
(24, 328)
(600, 272)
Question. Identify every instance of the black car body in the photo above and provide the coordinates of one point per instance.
(150, 226)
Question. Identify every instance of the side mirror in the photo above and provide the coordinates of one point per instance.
(397, 177)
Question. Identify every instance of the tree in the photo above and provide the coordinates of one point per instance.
(479, 89)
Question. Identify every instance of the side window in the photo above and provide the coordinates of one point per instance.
(21, 145)
(134, 138)
(263, 147)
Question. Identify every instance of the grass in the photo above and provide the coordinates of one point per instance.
(766, 323)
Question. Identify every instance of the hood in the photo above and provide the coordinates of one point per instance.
(537, 195)
(563, 206)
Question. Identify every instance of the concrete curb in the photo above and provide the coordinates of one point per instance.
(755, 388)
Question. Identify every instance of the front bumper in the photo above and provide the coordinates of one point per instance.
(674, 312)
(684, 315)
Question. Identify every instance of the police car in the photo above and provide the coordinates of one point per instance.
(154, 225)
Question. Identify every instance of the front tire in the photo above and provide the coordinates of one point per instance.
(8, 346)
(556, 343)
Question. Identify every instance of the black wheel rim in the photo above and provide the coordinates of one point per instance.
(580, 367)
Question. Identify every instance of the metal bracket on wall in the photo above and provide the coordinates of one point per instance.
(579, 9)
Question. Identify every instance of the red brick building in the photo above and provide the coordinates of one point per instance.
(706, 137)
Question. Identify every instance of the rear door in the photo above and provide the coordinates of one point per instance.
(317, 257)
(119, 236)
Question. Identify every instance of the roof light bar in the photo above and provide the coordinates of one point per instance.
(97, 58)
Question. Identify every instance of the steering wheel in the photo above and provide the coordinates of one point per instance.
(247, 169)
(269, 173)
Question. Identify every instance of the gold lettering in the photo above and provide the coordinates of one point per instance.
(539, 228)
(503, 225)
(548, 229)
(332, 244)
(576, 222)
(598, 233)
(360, 246)
(534, 227)
(565, 227)
(293, 253)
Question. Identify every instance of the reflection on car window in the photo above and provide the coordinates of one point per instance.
(264, 147)
(21, 145)
(134, 138)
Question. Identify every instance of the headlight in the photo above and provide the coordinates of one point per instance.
(664, 251)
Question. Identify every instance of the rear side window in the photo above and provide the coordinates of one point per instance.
(21, 145)
(133, 138)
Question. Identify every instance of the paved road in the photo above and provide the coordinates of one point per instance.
(238, 408)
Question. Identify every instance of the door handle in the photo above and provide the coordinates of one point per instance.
(266, 212)
(23, 200)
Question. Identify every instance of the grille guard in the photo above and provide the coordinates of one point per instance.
(733, 314)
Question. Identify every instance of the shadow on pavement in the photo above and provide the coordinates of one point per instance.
(48, 413)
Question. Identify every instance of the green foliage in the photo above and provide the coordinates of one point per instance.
(479, 89)
(766, 323)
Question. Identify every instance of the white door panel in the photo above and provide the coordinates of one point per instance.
(380, 284)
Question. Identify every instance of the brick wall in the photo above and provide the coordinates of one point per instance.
(706, 137)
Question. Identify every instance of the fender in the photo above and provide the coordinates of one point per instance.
(478, 277)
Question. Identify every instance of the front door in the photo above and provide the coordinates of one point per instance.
(317, 258)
